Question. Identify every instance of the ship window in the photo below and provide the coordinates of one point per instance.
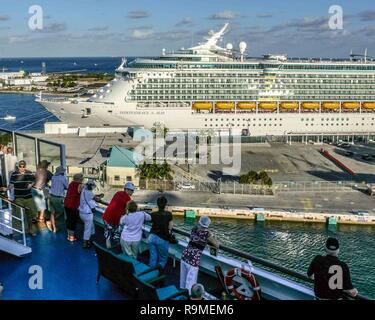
(116, 178)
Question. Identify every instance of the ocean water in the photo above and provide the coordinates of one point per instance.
(294, 245)
(291, 245)
(100, 64)
(29, 114)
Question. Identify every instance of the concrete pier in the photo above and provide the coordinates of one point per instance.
(273, 215)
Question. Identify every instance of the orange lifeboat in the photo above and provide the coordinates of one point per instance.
(351, 105)
(368, 105)
(310, 105)
(268, 105)
(224, 105)
(202, 105)
(289, 105)
(331, 105)
(246, 105)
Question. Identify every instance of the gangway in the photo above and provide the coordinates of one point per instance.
(14, 245)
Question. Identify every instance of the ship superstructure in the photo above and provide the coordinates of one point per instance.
(211, 87)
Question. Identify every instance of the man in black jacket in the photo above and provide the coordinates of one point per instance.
(331, 276)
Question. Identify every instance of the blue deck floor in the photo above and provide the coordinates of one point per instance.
(69, 272)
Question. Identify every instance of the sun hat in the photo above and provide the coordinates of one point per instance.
(59, 170)
(204, 221)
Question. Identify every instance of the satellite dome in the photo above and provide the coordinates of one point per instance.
(229, 46)
(242, 45)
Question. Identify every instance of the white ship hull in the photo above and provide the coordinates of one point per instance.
(257, 124)
(212, 88)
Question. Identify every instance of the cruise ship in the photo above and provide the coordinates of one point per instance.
(210, 87)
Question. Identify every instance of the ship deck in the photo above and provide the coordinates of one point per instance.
(69, 272)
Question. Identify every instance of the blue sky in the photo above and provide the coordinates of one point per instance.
(144, 27)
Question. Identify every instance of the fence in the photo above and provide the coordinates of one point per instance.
(314, 186)
(234, 187)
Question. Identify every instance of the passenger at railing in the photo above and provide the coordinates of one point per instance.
(39, 191)
(20, 182)
(86, 209)
(113, 214)
(197, 292)
(162, 224)
(59, 184)
(131, 234)
(200, 236)
(71, 205)
(331, 276)
(10, 162)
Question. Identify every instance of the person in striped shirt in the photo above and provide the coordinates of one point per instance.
(21, 180)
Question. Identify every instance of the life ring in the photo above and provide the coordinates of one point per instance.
(243, 292)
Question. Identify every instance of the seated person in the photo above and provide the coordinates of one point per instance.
(197, 292)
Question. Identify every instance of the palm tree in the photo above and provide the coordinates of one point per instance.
(154, 171)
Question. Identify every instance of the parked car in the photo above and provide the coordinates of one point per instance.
(344, 145)
(366, 157)
(362, 213)
(150, 205)
(349, 153)
(187, 186)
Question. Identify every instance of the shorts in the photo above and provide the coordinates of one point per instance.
(112, 233)
(39, 199)
(56, 204)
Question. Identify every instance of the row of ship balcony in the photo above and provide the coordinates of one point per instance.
(284, 106)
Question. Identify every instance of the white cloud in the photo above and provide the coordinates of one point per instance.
(185, 21)
(224, 15)
(139, 14)
(140, 34)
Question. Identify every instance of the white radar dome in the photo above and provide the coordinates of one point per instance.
(242, 45)
(229, 46)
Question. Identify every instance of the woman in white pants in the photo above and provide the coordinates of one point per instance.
(199, 238)
(86, 206)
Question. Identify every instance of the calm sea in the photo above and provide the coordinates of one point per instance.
(291, 245)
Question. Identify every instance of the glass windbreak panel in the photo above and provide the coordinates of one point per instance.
(51, 152)
(7, 159)
(6, 138)
(25, 148)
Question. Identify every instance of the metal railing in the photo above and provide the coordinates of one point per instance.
(268, 264)
(261, 261)
(8, 224)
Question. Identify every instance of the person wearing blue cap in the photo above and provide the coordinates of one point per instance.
(113, 213)
(331, 276)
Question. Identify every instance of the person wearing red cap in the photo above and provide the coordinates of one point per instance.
(113, 214)
(331, 276)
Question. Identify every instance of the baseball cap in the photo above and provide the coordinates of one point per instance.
(332, 247)
(129, 185)
(332, 244)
